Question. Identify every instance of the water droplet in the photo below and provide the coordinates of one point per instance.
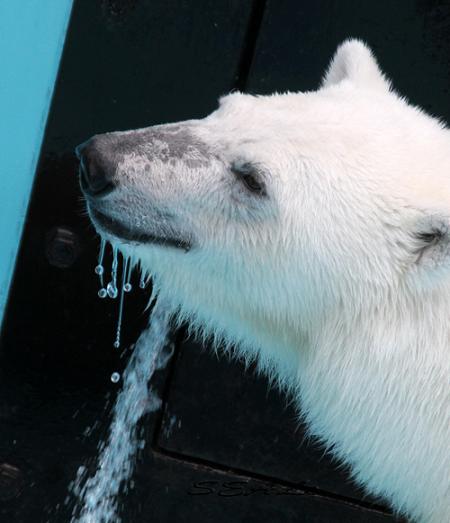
(115, 377)
(99, 268)
(116, 344)
(111, 290)
(143, 282)
(127, 277)
(102, 293)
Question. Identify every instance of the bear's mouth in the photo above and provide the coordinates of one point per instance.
(125, 233)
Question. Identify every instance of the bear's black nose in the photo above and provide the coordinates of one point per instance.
(96, 169)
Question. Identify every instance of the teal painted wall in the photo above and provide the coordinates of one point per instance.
(32, 34)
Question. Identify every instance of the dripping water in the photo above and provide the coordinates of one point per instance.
(99, 269)
(144, 280)
(111, 288)
(97, 495)
(124, 288)
(127, 275)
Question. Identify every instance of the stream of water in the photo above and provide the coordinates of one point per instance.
(97, 495)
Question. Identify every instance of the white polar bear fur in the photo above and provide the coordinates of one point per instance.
(338, 282)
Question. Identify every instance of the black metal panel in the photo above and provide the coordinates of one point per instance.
(410, 38)
(189, 493)
(49, 429)
(243, 426)
(40, 456)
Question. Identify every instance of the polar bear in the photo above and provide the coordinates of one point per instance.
(309, 231)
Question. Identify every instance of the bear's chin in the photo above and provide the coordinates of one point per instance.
(105, 224)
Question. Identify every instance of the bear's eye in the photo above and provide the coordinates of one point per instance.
(248, 174)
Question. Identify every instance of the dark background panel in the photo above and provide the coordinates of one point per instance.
(135, 63)
(243, 425)
(193, 492)
(410, 39)
(47, 432)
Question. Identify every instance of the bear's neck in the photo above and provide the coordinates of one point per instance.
(368, 388)
(366, 383)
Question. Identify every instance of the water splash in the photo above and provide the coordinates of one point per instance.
(97, 495)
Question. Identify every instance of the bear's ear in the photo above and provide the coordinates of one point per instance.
(354, 61)
(431, 244)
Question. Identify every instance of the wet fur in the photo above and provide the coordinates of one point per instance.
(337, 283)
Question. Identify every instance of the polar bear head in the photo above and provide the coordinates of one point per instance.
(276, 213)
